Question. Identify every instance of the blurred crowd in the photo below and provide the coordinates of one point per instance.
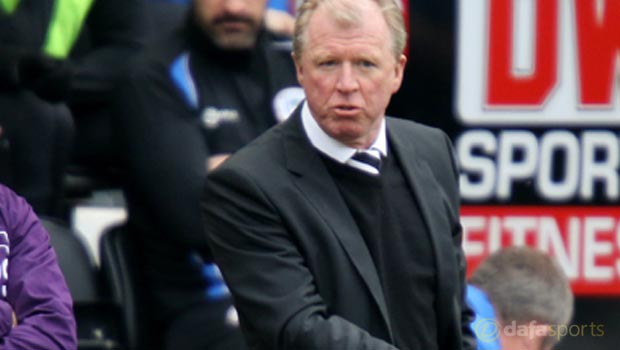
(145, 96)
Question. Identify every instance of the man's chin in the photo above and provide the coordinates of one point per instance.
(236, 41)
(351, 137)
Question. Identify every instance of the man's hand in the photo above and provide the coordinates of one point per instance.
(215, 161)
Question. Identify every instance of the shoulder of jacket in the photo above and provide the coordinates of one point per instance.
(260, 155)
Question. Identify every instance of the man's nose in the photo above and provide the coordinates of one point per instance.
(235, 6)
(347, 81)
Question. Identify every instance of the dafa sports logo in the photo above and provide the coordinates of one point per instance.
(489, 331)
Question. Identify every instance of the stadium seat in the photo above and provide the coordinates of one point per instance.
(119, 264)
(96, 316)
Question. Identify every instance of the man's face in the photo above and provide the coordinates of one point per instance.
(349, 74)
(231, 24)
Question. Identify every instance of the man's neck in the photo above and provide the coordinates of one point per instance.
(334, 148)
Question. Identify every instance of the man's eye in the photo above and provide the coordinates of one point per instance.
(328, 63)
(366, 64)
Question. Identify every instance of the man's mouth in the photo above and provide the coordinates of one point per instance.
(346, 109)
(234, 25)
(233, 20)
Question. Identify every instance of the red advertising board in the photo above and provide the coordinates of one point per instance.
(538, 103)
(529, 92)
(584, 240)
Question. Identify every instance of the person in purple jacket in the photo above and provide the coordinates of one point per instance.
(35, 304)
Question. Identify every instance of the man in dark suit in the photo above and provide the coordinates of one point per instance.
(339, 229)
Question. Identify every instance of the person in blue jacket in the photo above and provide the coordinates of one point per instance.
(35, 303)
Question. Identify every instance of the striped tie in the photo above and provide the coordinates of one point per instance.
(367, 162)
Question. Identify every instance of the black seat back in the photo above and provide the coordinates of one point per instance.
(120, 267)
(96, 316)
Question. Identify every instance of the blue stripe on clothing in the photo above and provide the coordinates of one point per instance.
(182, 78)
(485, 325)
(216, 287)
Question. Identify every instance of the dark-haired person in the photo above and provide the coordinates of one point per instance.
(193, 98)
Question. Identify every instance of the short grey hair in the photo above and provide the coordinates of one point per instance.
(347, 12)
(524, 285)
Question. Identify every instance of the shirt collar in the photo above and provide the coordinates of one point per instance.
(332, 147)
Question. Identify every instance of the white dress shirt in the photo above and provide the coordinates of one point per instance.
(336, 149)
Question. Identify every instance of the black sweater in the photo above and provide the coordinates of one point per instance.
(387, 214)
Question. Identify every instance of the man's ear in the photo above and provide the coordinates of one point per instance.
(399, 71)
(298, 68)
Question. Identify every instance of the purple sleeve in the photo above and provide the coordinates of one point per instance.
(37, 290)
(6, 318)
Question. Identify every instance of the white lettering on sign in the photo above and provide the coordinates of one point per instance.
(585, 241)
(562, 166)
(5, 252)
(538, 62)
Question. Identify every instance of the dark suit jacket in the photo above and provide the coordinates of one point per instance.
(293, 257)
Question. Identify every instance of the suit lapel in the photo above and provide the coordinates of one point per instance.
(426, 191)
(315, 183)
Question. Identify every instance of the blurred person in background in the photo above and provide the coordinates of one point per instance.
(35, 303)
(522, 300)
(35, 135)
(59, 63)
(192, 99)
